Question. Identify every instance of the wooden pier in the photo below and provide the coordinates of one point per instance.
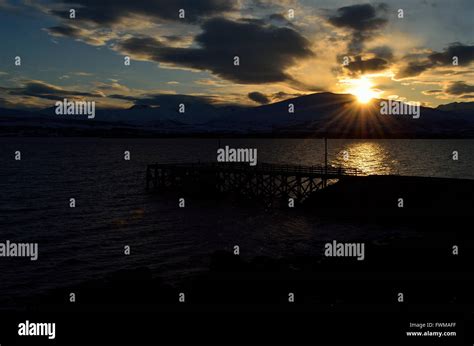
(264, 181)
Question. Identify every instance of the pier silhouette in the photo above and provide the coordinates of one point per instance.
(266, 181)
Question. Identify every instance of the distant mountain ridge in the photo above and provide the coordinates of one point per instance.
(320, 114)
(457, 106)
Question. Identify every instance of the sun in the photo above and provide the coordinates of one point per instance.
(362, 88)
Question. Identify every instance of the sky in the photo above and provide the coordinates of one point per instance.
(407, 50)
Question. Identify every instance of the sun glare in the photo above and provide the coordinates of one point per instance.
(362, 89)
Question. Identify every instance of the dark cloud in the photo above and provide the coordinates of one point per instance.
(255, 21)
(413, 68)
(363, 17)
(4, 103)
(281, 95)
(258, 97)
(159, 99)
(383, 52)
(364, 20)
(174, 38)
(111, 12)
(259, 4)
(265, 52)
(280, 19)
(459, 88)
(275, 97)
(48, 91)
(142, 46)
(370, 65)
(74, 32)
(64, 30)
(165, 99)
(123, 97)
(433, 92)
(464, 53)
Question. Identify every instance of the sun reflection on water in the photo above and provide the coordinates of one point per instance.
(369, 157)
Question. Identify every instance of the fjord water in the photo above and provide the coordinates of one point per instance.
(113, 210)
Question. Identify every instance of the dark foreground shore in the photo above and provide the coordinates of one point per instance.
(339, 300)
(425, 200)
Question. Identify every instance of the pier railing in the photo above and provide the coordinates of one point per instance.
(263, 168)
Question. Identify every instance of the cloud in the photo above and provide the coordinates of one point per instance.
(258, 97)
(413, 68)
(76, 33)
(362, 17)
(166, 99)
(4, 103)
(281, 95)
(364, 20)
(464, 53)
(272, 4)
(109, 13)
(432, 92)
(83, 74)
(265, 52)
(123, 97)
(64, 30)
(459, 88)
(156, 100)
(47, 91)
(383, 52)
(142, 47)
(280, 19)
(113, 86)
(261, 98)
(370, 65)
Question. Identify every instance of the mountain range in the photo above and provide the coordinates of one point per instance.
(315, 115)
